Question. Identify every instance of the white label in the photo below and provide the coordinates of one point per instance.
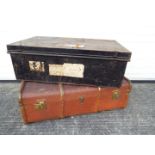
(56, 70)
(67, 69)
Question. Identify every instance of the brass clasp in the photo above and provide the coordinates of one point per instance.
(81, 99)
(40, 105)
(115, 94)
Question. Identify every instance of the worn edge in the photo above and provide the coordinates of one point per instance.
(21, 106)
(130, 84)
(129, 88)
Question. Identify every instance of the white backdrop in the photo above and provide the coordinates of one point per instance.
(130, 22)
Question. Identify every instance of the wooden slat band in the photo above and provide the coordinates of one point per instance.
(62, 98)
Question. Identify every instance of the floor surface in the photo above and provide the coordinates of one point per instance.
(137, 118)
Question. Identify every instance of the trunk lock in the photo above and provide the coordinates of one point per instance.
(40, 105)
(115, 94)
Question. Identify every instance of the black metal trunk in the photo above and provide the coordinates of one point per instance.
(78, 61)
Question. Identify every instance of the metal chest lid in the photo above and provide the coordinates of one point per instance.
(91, 48)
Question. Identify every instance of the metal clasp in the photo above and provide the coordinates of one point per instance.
(40, 105)
(115, 94)
(81, 99)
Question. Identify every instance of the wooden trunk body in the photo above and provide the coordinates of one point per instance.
(42, 101)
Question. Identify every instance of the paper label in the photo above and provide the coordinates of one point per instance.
(36, 66)
(67, 69)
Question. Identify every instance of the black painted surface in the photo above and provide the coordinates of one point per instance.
(72, 45)
(101, 72)
(104, 60)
